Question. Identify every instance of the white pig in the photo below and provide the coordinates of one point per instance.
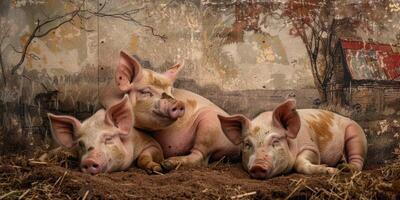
(310, 141)
(107, 140)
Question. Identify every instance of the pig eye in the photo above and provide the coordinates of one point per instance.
(146, 92)
(81, 144)
(247, 145)
(108, 140)
(275, 143)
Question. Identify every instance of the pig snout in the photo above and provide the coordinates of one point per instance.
(176, 110)
(261, 167)
(91, 166)
(259, 171)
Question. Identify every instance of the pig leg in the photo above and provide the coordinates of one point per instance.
(206, 133)
(307, 162)
(195, 158)
(355, 146)
(149, 159)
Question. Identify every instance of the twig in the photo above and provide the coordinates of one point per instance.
(312, 190)
(159, 173)
(24, 194)
(179, 165)
(59, 180)
(132, 196)
(243, 195)
(8, 194)
(37, 162)
(330, 193)
(86, 194)
(295, 189)
(219, 161)
(62, 179)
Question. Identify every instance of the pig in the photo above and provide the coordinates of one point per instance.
(183, 123)
(310, 141)
(107, 141)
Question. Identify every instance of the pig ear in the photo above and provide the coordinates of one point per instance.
(120, 115)
(285, 116)
(63, 129)
(234, 126)
(173, 71)
(129, 69)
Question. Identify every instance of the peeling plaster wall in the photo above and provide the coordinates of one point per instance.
(272, 60)
(267, 62)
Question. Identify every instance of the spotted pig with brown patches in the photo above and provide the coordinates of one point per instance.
(183, 123)
(310, 141)
(107, 141)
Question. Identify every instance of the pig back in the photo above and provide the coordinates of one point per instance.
(195, 102)
(323, 131)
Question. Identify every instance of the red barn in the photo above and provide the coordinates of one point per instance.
(367, 77)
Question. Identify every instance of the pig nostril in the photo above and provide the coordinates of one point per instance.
(174, 109)
(259, 172)
(95, 165)
(85, 166)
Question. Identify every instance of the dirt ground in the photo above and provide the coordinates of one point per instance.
(24, 178)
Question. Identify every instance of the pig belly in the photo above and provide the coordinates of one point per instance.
(177, 143)
(332, 155)
(333, 151)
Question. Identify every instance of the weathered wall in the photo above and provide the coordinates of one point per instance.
(243, 70)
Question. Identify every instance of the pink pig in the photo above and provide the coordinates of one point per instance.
(183, 123)
(107, 141)
(309, 141)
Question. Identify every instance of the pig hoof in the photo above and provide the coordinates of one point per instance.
(157, 168)
(331, 170)
(154, 169)
(167, 165)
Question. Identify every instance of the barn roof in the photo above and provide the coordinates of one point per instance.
(372, 61)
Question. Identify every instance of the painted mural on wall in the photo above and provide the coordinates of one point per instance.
(246, 56)
(364, 65)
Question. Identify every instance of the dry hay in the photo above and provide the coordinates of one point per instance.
(381, 183)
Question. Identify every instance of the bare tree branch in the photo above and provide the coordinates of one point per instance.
(69, 17)
(125, 16)
(35, 34)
